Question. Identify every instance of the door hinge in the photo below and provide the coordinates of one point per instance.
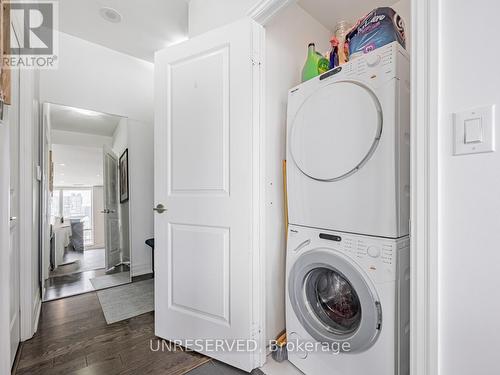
(256, 62)
(256, 330)
(256, 59)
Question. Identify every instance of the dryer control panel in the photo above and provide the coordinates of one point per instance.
(374, 68)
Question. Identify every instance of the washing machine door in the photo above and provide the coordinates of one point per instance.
(336, 131)
(334, 300)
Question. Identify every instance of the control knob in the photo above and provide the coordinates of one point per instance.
(374, 251)
(373, 60)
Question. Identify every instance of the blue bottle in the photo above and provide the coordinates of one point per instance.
(334, 53)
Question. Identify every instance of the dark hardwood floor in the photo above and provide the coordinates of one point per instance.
(74, 278)
(80, 261)
(73, 338)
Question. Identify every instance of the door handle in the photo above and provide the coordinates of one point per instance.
(12, 218)
(105, 211)
(160, 208)
(111, 211)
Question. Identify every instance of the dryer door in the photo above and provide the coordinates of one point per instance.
(334, 300)
(336, 130)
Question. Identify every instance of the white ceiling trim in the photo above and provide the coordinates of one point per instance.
(265, 10)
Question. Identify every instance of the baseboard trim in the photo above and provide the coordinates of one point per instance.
(141, 269)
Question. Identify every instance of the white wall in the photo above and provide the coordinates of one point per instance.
(138, 138)
(120, 144)
(141, 181)
(120, 137)
(469, 259)
(83, 166)
(205, 15)
(94, 77)
(63, 137)
(286, 53)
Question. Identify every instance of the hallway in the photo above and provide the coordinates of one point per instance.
(73, 338)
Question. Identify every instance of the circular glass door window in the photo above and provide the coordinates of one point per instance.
(333, 301)
(336, 131)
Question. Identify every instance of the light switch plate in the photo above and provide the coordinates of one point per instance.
(474, 131)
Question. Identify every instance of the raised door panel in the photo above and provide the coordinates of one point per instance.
(194, 250)
(199, 124)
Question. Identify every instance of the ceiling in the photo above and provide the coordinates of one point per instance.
(329, 12)
(77, 166)
(82, 121)
(146, 26)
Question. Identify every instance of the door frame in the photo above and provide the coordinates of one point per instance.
(106, 150)
(425, 183)
(30, 296)
(29, 307)
(4, 255)
(425, 186)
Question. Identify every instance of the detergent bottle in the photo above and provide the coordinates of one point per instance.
(334, 53)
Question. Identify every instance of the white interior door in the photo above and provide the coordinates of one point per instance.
(204, 175)
(14, 251)
(111, 202)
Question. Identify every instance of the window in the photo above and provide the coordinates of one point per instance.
(75, 204)
(55, 208)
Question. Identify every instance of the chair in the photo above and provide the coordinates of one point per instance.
(77, 234)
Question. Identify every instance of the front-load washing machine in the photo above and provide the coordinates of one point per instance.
(347, 303)
(348, 147)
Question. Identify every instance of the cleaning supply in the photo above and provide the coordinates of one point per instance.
(341, 30)
(334, 53)
(380, 27)
(323, 63)
(315, 65)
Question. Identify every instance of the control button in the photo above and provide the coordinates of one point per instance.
(373, 60)
(374, 251)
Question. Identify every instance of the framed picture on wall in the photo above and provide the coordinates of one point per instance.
(123, 165)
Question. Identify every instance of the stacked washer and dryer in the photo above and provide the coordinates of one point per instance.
(348, 254)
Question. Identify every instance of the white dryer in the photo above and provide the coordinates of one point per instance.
(347, 303)
(348, 147)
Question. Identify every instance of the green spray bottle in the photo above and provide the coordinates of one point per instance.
(315, 65)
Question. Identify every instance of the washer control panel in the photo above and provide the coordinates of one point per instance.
(376, 256)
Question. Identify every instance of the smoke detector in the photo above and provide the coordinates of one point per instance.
(110, 14)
